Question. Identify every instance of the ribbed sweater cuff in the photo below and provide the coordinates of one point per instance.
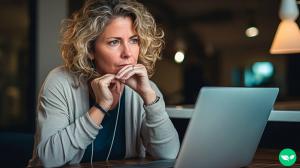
(91, 125)
(156, 112)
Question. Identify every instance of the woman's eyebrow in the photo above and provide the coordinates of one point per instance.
(134, 36)
(119, 38)
(108, 38)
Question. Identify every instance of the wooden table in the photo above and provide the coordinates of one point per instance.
(264, 158)
(267, 158)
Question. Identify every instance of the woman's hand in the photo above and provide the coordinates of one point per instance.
(136, 77)
(105, 89)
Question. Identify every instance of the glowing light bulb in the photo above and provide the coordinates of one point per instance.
(252, 32)
(179, 57)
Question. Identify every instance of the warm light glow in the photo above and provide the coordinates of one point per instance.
(179, 57)
(251, 32)
(287, 38)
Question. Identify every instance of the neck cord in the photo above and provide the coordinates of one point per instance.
(112, 142)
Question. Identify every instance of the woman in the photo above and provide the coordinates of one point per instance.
(101, 105)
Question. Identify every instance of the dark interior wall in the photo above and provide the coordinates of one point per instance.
(293, 79)
(17, 65)
(74, 5)
(31, 85)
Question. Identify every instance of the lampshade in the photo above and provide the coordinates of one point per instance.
(287, 37)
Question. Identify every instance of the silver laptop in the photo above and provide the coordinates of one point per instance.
(226, 127)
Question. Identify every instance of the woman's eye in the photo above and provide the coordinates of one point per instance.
(134, 41)
(113, 43)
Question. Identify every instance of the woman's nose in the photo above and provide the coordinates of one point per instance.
(126, 51)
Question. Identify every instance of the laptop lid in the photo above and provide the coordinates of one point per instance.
(226, 127)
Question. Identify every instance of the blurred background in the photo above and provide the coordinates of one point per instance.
(208, 43)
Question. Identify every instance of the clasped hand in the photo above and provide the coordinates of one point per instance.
(109, 86)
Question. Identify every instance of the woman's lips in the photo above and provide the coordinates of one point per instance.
(123, 65)
(119, 67)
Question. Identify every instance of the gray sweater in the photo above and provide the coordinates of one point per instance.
(64, 128)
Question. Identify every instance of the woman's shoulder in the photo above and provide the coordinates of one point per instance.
(60, 76)
(59, 73)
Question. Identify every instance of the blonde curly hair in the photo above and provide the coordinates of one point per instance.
(80, 32)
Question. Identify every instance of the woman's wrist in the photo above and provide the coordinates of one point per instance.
(104, 105)
(95, 115)
(149, 97)
(155, 101)
(98, 111)
(103, 110)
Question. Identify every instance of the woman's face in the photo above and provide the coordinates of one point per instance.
(117, 46)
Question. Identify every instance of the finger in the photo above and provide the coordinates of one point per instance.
(137, 71)
(116, 86)
(116, 81)
(107, 77)
(125, 74)
(104, 80)
(121, 81)
(125, 70)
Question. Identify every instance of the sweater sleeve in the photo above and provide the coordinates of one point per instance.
(60, 140)
(159, 136)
